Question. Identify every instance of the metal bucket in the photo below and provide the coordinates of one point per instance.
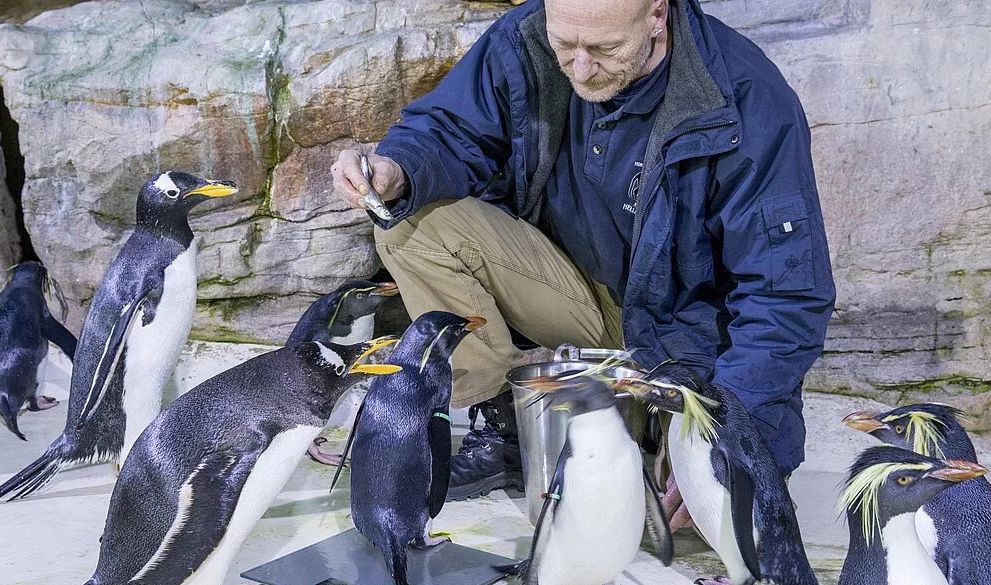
(542, 432)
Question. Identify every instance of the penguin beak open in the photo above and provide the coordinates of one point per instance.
(957, 471)
(214, 189)
(865, 421)
(375, 369)
(474, 322)
(386, 289)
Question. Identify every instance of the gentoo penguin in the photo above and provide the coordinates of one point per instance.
(731, 485)
(955, 525)
(345, 316)
(26, 327)
(203, 473)
(592, 520)
(885, 488)
(137, 324)
(401, 456)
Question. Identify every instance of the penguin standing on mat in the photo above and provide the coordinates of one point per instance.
(343, 317)
(26, 327)
(204, 472)
(885, 488)
(955, 525)
(600, 495)
(137, 324)
(731, 485)
(402, 441)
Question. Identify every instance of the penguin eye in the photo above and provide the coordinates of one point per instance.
(905, 480)
(172, 193)
(899, 429)
(672, 393)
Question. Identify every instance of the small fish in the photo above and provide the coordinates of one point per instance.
(372, 198)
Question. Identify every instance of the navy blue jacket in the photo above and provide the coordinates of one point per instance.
(730, 270)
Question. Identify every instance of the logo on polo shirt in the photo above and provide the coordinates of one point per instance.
(633, 193)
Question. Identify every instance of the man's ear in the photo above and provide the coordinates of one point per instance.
(659, 8)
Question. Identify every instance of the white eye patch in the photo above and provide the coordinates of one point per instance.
(165, 184)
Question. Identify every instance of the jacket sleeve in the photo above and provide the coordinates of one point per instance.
(451, 141)
(774, 250)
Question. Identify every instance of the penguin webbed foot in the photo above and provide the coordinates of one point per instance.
(715, 581)
(38, 403)
(422, 542)
(319, 456)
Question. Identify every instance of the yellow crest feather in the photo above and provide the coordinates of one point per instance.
(696, 410)
(923, 431)
(861, 493)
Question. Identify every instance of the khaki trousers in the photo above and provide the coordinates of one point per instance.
(471, 258)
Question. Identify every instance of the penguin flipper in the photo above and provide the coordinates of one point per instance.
(741, 494)
(207, 500)
(112, 351)
(59, 335)
(657, 522)
(541, 532)
(347, 445)
(439, 436)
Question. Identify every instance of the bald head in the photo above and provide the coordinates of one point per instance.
(605, 45)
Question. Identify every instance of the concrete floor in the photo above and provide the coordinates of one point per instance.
(52, 538)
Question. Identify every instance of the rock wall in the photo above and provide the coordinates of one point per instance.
(10, 249)
(898, 94)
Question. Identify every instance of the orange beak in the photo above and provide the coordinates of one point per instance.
(863, 421)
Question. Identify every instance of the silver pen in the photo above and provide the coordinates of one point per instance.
(372, 198)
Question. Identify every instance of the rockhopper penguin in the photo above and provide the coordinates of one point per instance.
(731, 485)
(401, 439)
(344, 317)
(600, 495)
(136, 326)
(885, 488)
(204, 472)
(26, 327)
(955, 525)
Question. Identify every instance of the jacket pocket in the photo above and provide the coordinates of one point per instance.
(786, 224)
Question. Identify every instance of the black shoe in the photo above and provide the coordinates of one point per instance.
(489, 458)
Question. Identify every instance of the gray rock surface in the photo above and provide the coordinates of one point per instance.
(898, 95)
(10, 247)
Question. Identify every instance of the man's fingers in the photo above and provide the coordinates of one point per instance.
(348, 179)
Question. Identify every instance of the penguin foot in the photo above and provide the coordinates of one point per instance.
(674, 507)
(714, 581)
(429, 541)
(36, 403)
(319, 456)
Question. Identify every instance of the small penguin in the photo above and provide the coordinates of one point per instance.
(885, 488)
(344, 317)
(955, 525)
(731, 486)
(204, 472)
(136, 326)
(26, 327)
(600, 495)
(401, 460)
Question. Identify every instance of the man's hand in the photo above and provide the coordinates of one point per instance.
(388, 178)
(674, 507)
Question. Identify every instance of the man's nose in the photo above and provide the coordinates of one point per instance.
(583, 66)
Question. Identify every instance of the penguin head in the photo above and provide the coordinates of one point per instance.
(572, 391)
(334, 314)
(885, 482)
(434, 336)
(169, 197)
(346, 360)
(926, 428)
(678, 389)
(29, 272)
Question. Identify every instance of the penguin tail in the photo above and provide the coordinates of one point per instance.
(518, 570)
(37, 475)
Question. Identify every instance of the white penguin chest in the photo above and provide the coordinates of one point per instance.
(907, 560)
(362, 330)
(599, 521)
(707, 500)
(267, 478)
(153, 349)
(926, 529)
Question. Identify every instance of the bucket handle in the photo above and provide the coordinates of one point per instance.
(571, 352)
